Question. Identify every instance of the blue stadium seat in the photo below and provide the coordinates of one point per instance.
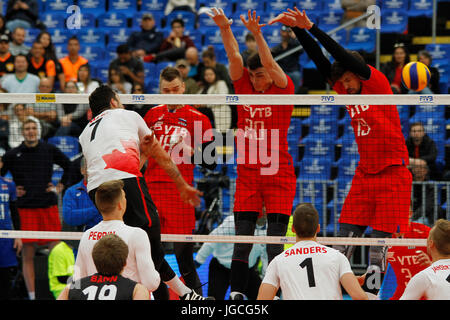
(272, 36)
(439, 51)
(395, 4)
(57, 5)
(225, 5)
(60, 50)
(346, 168)
(311, 191)
(153, 6)
(101, 68)
(91, 36)
(434, 127)
(315, 168)
(278, 5)
(343, 187)
(295, 130)
(30, 35)
(60, 36)
(293, 150)
(93, 52)
(420, 8)
(361, 39)
(310, 6)
(322, 112)
(67, 144)
(110, 51)
(323, 128)
(403, 112)
(320, 148)
(430, 111)
(212, 37)
(126, 7)
(152, 87)
(340, 36)
(394, 21)
(88, 20)
(333, 5)
(330, 20)
(240, 34)
(150, 70)
(205, 21)
(244, 5)
(112, 20)
(95, 7)
(349, 150)
(119, 36)
(53, 19)
(196, 36)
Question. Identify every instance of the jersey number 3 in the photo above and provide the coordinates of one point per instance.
(309, 270)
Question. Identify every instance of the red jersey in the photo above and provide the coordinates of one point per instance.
(377, 128)
(192, 125)
(256, 124)
(403, 260)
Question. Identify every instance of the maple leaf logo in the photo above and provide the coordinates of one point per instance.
(127, 161)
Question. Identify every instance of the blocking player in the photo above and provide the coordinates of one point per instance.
(116, 143)
(259, 182)
(309, 270)
(380, 194)
(181, 130)
(433, 283)
(110, 257)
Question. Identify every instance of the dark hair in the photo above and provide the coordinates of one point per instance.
(338, 69)
(177, 20)
(169, 74)
(110, 255)
(50, 52)
(305, 220)
(440, 234)
(209, 53)
(74, 37)
(426, 54)
(88, 67)
(254, 61)
(123, 48)
(249, 37)
(20, 55)
(108, 195)
(416, 124)
(100, 99)
(405, 49)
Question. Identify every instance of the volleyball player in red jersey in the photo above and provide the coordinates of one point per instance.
(262, 131)
(380, 194)
(180, 129)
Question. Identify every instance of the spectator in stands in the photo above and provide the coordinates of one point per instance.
(289, 64)
(209, 60)
(251, 45)
(72, 117)
(354, 9)
(78, 208)
(117, 81)
(39, 65)
(85, 82)
(31, 166)
(190, 84)
(46, 39)
(3, 29)
(17, 46)
(185, 5)
(9, 248)
(21, 81)
(6, 58)
(72, 62)
(21, 13)
(146, 41)
(131, 67)
(421, 148)
(220, 265)
(174, 46)
(433, 85)
(212, 84)
(195, 65)
(19, 116)
(393, 69)
(45, 112)
(424, 207)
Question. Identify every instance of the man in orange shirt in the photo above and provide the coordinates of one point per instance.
(39, 65)
(6, 58)
(72, 62)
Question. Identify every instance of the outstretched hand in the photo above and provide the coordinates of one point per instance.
(252, 24)
(293, 18)
(219, 17)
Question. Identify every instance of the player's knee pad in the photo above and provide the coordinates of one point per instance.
(377, 254)
(348, 231)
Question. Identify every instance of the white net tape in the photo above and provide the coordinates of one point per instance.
(244, 99)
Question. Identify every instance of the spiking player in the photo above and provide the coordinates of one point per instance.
(270, 183)
(380, 194)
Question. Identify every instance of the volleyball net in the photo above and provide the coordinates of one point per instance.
(319, 138)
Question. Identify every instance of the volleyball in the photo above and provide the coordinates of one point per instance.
(415, 76)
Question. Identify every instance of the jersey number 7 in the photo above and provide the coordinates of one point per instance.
(95, 124)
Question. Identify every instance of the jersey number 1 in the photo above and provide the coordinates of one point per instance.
(309, 270)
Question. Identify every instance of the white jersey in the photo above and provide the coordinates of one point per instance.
(308, 271)
(110, 144)
(432, 283)
(139, 267)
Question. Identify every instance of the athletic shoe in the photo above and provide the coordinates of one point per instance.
(195, 296)
(237, 296)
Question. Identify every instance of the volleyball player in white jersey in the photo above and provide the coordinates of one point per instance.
(116, 143)
(309, 270)
(111, 202)
(433, 283)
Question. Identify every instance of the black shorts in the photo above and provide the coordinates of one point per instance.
(141, 211)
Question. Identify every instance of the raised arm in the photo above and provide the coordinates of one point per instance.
(236, 64)
(273, 68)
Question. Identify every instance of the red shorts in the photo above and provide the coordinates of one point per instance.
(175, 216)
(275, 192)
(380, 200)
(39, 219)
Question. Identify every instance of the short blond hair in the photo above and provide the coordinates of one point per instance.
(440, 234)
(108, 195)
